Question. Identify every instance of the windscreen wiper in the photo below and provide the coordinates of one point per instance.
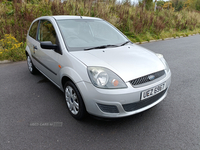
(125, 43)
(101, 47)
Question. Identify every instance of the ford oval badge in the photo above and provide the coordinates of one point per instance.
(151, 77)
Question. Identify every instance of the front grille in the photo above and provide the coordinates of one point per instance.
(143, 103)
(145, 79)
(108, 108)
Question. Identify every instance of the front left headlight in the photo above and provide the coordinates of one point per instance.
(104, 78)
(160, 56)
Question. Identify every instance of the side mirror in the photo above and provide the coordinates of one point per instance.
(48, 45)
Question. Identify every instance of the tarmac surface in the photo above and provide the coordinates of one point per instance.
(34, 116)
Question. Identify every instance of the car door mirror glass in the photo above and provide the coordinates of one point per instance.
(48, 45)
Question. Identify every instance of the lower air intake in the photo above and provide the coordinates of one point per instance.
(108, 108)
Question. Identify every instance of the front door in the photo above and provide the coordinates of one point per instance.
(48, 59)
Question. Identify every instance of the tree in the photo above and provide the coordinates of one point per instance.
(148, 4)
(167, 5)
(198, 5)
(160, 3)
(179, 4)
(193, 4)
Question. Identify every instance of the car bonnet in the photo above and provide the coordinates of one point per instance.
(129, 61)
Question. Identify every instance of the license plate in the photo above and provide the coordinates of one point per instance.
(153, 91)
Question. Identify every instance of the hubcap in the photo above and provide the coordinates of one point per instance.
(72, 100)
(30, 65)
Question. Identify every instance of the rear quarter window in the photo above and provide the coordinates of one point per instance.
(33, 30)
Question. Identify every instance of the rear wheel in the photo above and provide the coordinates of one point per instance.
(74, 101)
(31, 67)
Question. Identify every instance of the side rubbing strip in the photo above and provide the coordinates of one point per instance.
(44, 65)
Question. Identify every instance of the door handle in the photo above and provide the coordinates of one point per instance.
(35, 47)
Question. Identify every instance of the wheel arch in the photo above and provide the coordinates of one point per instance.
(64, 80)
(27, 51)
(69, 74)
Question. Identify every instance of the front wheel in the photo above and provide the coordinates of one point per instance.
(74, 101)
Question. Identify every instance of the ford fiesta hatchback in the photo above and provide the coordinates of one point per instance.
(99, 70)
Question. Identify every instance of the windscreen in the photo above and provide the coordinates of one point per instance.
(80, 34)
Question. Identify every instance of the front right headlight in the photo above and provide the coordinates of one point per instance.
(104, 78)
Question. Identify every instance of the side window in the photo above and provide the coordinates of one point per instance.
(33, 30)
(46, 32)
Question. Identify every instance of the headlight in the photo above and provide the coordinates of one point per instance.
(160, 56)
(105, 78)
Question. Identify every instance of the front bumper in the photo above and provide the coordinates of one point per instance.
(115, 103)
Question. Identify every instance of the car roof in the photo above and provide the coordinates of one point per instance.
(61, 17)
(64, 17)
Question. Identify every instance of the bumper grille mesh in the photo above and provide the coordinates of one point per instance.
(108, 108)
(143, 103)
(145, 79)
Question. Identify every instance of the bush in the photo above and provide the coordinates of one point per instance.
(11, 49)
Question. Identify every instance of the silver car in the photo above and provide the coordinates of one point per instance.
(98, 68)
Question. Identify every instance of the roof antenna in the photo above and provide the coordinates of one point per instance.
(78, 13)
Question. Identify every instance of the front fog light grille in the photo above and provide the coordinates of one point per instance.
(147, 78)
(108, 108)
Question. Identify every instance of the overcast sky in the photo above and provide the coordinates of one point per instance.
(135, 1)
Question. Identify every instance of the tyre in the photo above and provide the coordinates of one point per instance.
(31, 67)
(74, 101)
